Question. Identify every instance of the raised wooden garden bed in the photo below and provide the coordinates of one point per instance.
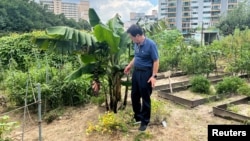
(164, 91)
(187, 100)
(241, 110)
(185, 83)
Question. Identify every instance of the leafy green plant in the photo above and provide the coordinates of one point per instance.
(6, 126)
(53, 114)
(75, 93)
(17, 47)
(244, 90)
(229, 85)
(200, 84)
(98, 99)
(108, 123)
(143, 136)
(232, 108)
(158, 111)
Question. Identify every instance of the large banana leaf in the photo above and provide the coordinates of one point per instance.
(104, 34)
(65, 40)
(153, 27)
(116, 25)
(85, 69)
(93, 18)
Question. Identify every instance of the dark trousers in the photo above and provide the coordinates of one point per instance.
(141, 89)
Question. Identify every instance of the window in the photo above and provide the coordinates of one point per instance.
(206, 6)
(206, 12)
(171, 15)
(171, 9)
(186, 9)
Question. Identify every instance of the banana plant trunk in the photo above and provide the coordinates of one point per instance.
(115, 91)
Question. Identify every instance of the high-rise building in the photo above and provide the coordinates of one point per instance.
(74, 11)
(187, 15)
(134, 17)
(83, 8)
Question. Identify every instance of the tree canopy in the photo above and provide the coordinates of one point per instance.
(237, 18)
(26, 15)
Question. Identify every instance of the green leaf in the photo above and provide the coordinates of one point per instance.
(88, 69)
(86, 58)
(93, 17)
(104, 34)
(56, 30)
(65, 39)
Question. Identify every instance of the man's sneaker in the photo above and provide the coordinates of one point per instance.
(143, 127)
(137, 122)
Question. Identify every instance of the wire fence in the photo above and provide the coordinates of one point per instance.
(28, 123)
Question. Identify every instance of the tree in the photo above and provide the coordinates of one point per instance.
(232, 20)
(26, 15)
(99, 51)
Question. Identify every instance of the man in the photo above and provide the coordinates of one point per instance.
(145, 64)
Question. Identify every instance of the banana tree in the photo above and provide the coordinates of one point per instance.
(100, 51)
(113, 35)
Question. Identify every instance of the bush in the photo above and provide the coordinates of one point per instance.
(200, 84)
(229, 85)
(107, 123)
(244, 90)
(6, 127)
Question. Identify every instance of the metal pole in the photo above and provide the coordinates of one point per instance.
(25, 108)
(39, 111)
(201, 33)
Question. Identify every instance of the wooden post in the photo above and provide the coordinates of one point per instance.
(168, 74)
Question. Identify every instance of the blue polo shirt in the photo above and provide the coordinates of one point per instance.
(145, 54)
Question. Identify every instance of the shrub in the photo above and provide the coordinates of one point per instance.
(229, 85)
(244, 90)
(108, 123)
(6, 127)
(200, 84)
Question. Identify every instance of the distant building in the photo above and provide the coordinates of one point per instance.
(134, 17)
(74, 11)
(186, 15)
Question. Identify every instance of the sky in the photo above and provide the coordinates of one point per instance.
(106, 9)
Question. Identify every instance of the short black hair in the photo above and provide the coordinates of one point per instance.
(134, 30)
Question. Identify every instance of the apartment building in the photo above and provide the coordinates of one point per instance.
(187, 15)
(134, 16)
(71, 10)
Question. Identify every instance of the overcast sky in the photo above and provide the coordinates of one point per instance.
(106, 9)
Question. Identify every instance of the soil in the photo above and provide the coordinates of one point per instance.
(183, 124)
(242, 109)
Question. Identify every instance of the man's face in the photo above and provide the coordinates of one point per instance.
(135, 39)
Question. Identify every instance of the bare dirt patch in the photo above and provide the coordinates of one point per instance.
(242, 109)
(187, 94)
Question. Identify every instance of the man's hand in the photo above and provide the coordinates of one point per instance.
(127, 69)
(153, 81)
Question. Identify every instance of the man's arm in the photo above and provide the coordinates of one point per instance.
(129, 66)
(155, 67)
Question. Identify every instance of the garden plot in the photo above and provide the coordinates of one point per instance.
(237, 110)
(187, 98)
(178, 92)
(182, 82)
